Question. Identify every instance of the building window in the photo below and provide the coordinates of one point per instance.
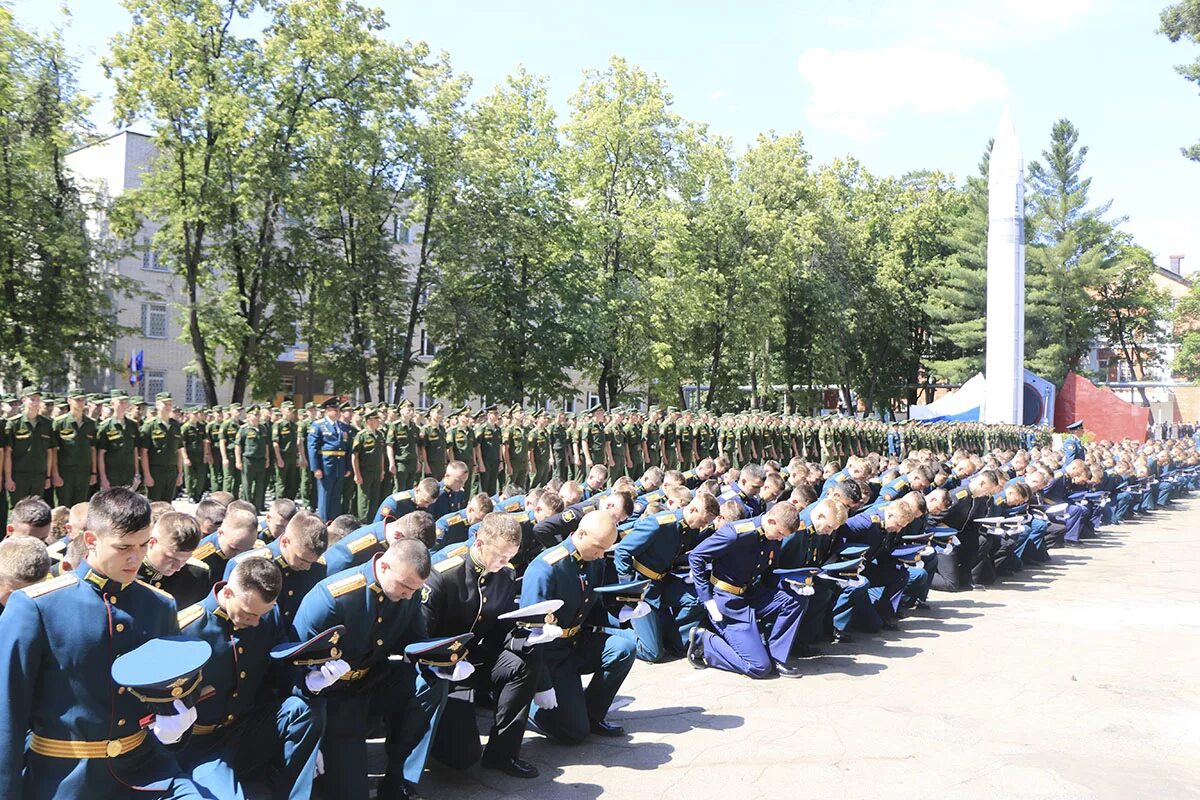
(568, 404)
(428, 348)
(154, 320)
(154, 382)
(288, 385)
(423, 398)
(593, 399)
(194, 395)
(150, 260)
(1177, 265)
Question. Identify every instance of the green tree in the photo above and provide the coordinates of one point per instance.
(1182, 21)
(1133, 312)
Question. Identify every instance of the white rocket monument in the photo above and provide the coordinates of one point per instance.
(1005, 366)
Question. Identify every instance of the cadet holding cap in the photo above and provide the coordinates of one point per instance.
(89, 741)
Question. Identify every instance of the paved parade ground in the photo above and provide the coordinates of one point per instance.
(1076, 680)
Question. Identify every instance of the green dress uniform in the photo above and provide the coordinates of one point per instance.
(539, 445)
(31, 443)
(615, 434)
(706, 440)
(670, 459)
(578, 434)
(560, 447)
(76, 441)
(194, 434)
(490, 437)
(162, 441)
(683, 432)
(404, 437)
(515, 437)
(233, 477)
(633, 446)
(287, 477)
(653, 436)
(307, 493)
(594, 436)
(370, 447)
(433, 439)
(216, 470)
(461, 439)
(255, 441)
(349, 487)
(119, 441)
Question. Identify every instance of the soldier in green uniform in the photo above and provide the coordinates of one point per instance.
(351, 420)
(308, 489)
(614, 434)
(670, 439)
(287, 452)
(539, 448)
(367, 458)
(75, 432)
(212, 428)
(29, 449)
(516, 448)
(489, 436)
(229, 433)
(252, 449)
(160, 449)
(403, 450)
(705, 437)
(575, 432)
(652, 439)
(560, 446)
(593, 441)
(685, 433)
(196, 454)
(460, 437)
(633, 444)
(433, 442)
(116, 445)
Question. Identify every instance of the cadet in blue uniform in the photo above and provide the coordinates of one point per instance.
(732, 572)
(1072, 446)
(297, 554)
(419, 498)
(57, 646)
(570, 572)
(244, 725)
(361, 545)
(328, 455)
(379, 604)
(653, 550)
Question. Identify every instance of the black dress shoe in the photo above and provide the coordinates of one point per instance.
(396, 789)
(602, 728)
(788, 672)
(841, 637)
(890, 625)
(921, 604)
(695, 651)
(517, 767)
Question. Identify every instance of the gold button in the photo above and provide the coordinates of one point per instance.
(113, 749)
(291, 592)
(379, 642)
(120, 627)
(121, 690)
(241, 650)
(120, 723)
(112, 598)
(242, 675)
(229, 718)
(379, 619)
(234, 694)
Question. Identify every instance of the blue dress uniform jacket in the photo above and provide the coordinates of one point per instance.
(356, 548)
(245, 722)
(59, 639)
(751, 506)
(651, 550)
(734, 566)
(329, 451)
(296, 583)
(559, 573)
(895, 488)
(452, 528)
(397, 505)
(376, 628)
(448, 500)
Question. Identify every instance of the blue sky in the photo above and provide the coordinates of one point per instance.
(900, 84)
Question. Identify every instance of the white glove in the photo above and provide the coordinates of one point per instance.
(547, 700)
(462, 670)
(325, 675)
(320, 763)
(714, 613)
(633, 612)
(170, 728)
(546, 633)
(948, 549)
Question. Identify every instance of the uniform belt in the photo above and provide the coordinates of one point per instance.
(355, 674)
(732, 588)
(66, 748)
(205, 730)
(333, 452)
(646, 572)
(569, 632)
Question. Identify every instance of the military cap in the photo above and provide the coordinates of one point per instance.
(514, 408)
(854, 551)
(652, 409)
(139, 401)
(76, 392)
(842, 569)
(30, 391)
(481, 414)
(800, 578)
(464, 410)
(370, 413)
(310, 404)
(908, 552)
(162, 670)
(593, 408)
(535, 615)
(8, 398)
(235, 406)
(50, 397)
(117, 394)
(330, 402)
(287, 404)
(436, 407)
(405, 403)
(439, 652)
(313, 651)
(541, 412)
(422, 410)
(1076, 425)
(672, 410)
(344, 406)
(627, 592)
(161, 396)
(487, 408)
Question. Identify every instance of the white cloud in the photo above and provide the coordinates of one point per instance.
(852, 90)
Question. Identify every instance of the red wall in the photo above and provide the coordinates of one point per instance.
(1102, 412)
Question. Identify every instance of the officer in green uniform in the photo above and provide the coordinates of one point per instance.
(560, 446)
(705, 436)
(196, 455)
(348, 417)
(490, 438)
(404, 450)
(460, 437)
(576, 431)
(614, 433)
(212, 428)
(252, 449)
(29, 450)
(633, 443)
(539, 448)
(670, 440)
(516, 448)
(116, 445)
(593, 441)
(652, 436)
(686, 435)
(75, 433)
(229, 433)
(308, 489)
(287, 452)
(160, 449)
(433, 441)
(367, 455)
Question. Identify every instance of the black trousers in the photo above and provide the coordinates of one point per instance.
(513, 680)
